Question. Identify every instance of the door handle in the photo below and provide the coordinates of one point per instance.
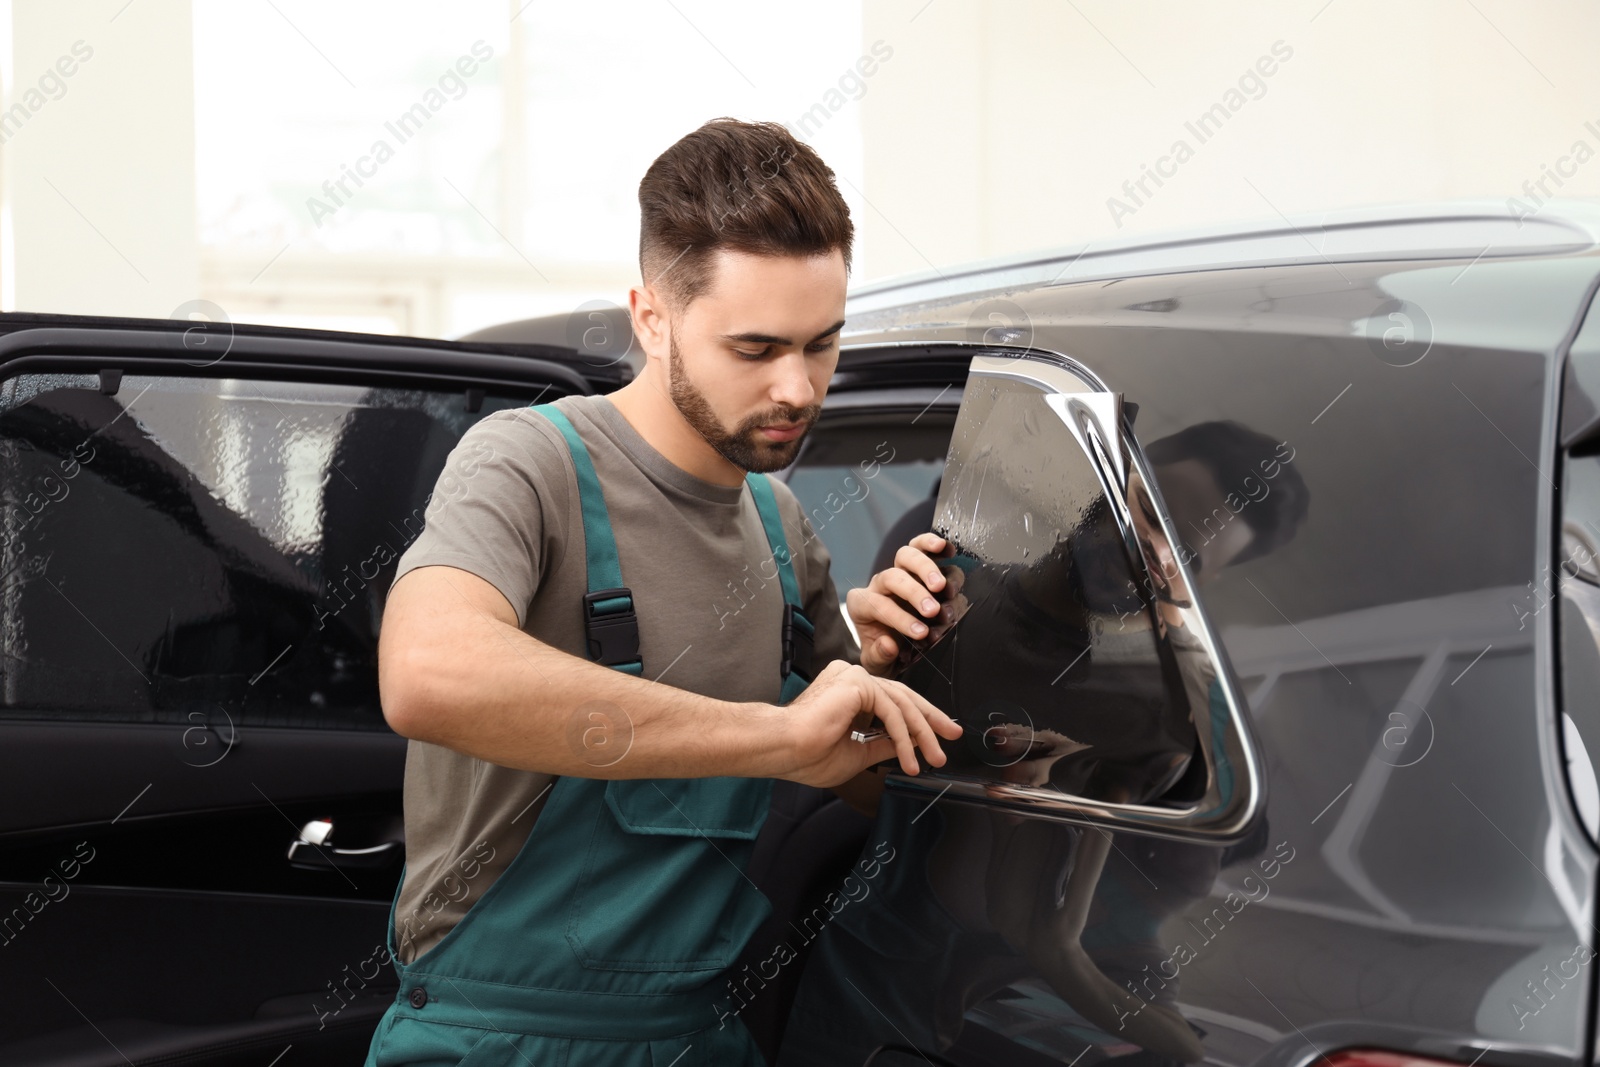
(313, 852)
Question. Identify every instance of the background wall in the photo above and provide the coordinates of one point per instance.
(429, 169)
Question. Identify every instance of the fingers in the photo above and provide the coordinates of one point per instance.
(880, 607)
(903, 585)
(911, 580)
(907, 731)
(921, 728)
(912, 723)
(899, 733)
(919, 565)
(943, 724)
(956, 579)
(908, 719)
(876, 634)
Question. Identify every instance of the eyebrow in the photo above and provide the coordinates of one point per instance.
(768, 339)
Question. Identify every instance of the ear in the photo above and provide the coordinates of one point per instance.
(650, 320)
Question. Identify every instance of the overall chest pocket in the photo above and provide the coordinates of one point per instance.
(662, 888)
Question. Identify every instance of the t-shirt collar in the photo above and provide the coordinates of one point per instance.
(653, 463)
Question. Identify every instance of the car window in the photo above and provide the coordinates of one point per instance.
(1058, 652)
(859, 479)
(207, 550)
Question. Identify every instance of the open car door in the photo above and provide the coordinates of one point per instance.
(200, 820)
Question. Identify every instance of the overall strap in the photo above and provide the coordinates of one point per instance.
(798, 632)
(609, 619)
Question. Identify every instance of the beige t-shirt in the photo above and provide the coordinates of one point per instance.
(706, 590)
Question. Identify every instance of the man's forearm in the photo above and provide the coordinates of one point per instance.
(494, 692)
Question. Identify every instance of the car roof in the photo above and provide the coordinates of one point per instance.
(1446, 229)
(1440, 230)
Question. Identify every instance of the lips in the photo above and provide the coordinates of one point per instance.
(784, 431)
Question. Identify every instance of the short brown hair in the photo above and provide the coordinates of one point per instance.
(747, 186)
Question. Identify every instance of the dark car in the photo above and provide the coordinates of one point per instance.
(1271, 617)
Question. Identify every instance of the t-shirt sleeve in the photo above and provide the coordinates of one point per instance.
(818, 596)
(487, 512)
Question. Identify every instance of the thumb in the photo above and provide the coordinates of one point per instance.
(879, 651)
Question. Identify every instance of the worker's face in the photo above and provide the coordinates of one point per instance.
(757, 349)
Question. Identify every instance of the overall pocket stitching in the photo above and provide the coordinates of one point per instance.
(575, 913)
(617, 790)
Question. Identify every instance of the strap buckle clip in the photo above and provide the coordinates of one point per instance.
(799, 643)
(612, 629)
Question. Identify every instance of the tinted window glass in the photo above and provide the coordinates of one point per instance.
(207, 550)
(1058, 664)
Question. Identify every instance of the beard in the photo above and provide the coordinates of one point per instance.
(745, 447)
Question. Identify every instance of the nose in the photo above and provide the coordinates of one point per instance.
(792, 386)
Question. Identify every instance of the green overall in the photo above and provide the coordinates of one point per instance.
(606, 939)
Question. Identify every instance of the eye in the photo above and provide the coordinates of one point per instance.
(752, 355)
(822, 347)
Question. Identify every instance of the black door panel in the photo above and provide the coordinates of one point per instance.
(167, 971)
(197, 548)
(59, 775)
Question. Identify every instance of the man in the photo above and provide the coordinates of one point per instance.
(576, 831)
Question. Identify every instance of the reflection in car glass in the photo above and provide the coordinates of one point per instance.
(207, 551)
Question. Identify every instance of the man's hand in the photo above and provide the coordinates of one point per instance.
(914, 578)
(820, 719)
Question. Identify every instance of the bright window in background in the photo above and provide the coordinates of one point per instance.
(285, 129)
(439, 169)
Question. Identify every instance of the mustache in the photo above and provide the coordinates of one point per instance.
(807, 415)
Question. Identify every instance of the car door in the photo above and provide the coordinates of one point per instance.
(1105, 745)
(865, 475)
(200, 821)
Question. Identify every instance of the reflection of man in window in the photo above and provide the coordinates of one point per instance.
(1233, 493)
(1103, 698)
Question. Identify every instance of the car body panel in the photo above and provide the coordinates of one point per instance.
(1417, 894)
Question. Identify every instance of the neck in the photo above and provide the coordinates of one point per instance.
(647, 405)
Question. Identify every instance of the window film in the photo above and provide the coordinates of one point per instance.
(1068, 665)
